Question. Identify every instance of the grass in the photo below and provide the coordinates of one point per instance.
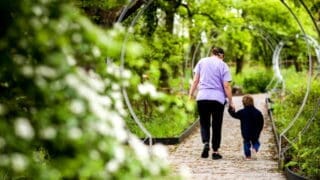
(163, 125)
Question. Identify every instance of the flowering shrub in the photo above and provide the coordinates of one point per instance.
(61, 108)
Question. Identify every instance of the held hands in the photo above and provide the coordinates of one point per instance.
(232, 107)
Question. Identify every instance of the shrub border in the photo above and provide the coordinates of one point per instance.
(174, 140)
(290, 175)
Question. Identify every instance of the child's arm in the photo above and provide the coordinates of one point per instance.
(233, 112)
(260, 122)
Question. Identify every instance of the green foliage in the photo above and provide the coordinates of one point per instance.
(253, 79)
(256, 83)
(163, 113)
(302, 156)
(61, 109)
(164, 120)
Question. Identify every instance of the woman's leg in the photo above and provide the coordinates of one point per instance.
(204, 113)
(217, 118)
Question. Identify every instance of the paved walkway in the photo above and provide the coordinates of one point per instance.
(232, 166)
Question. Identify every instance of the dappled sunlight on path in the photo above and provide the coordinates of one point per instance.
(232, 166)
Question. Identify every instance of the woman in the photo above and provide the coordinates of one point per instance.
(213, 76)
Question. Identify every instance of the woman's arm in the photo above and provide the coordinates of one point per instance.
(194, 85)
(228, 92)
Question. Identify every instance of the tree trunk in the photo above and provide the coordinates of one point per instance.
(239, 64)
(169, 21)
(297, 65)
(164, 84)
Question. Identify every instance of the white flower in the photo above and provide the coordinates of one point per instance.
(119, 154)
(86, 92)
(41, 82)
(46, 71)
(115, 87)
(103, 146)
(116, 121)
(98, 110)
(126, 74)
(94, 154)
(93, 80)
(72, 80)
(119, 28)
(74, 133)
(27, 71)
(147, 88)
(110, 68)
(48, 133)
(185, 172)
(121, 135)
(37, 10)
(116, 95)
(113, 69)
(76, 37)
(160, 151)
(63, 25)
(130, 29)
(19, 162)
(112, 166)
(140, 149)
(117, 124)
(101, 127)
(96, 51)
(23, 128)
(161, 108)
(77, 107)
(71, 61)
(154, 168)
(105, 100)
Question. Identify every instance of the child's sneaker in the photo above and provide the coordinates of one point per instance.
(254, 154)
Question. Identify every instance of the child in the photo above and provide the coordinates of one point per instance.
(251, 121)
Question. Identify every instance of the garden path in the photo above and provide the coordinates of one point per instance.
(232, 166)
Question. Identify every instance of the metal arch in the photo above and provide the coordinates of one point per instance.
(122, 58)
(310, 41)
(282, 134)
(276, 54)
(276, 65)
(313, 43)
(194, 56)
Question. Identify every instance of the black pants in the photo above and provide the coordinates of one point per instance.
(208, 109)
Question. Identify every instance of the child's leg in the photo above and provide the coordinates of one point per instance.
(246, 147)
(256, 145)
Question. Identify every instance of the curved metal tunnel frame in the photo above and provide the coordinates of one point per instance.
(276, 67)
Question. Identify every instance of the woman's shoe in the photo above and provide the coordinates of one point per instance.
(205, 151)
(216, 156)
